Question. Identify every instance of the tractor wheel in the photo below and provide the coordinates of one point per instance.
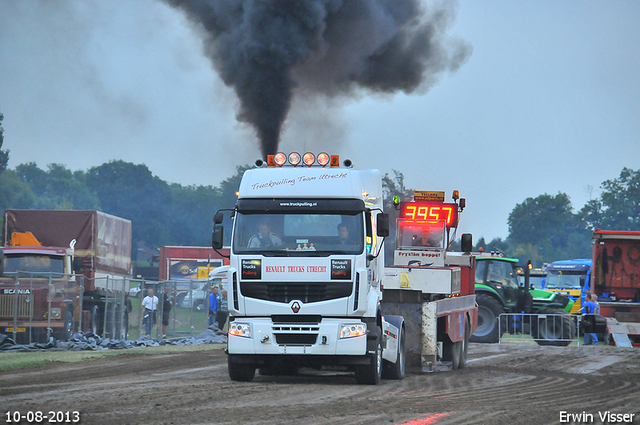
(396, 370)
(557, 330)
(239, 371)
(489, 309)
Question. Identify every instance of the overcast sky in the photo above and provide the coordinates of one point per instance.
(548, 102)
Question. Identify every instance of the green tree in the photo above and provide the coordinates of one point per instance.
(131, 191)
(618, 207)
(547, 223)
(58, 187)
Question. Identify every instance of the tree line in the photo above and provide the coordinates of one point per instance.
(546, 228)
(543, 229)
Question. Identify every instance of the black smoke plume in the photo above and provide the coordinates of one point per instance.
(266, 49)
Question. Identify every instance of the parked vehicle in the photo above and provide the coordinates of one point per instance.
(63, 271)
(499, 290)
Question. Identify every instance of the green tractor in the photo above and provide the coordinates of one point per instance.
(499, 290)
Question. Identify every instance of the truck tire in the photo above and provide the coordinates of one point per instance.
(464, 346)
(451, 352)
(396, 370)
(489, 309)
(372, 373)
(240, 371)
(559, 328)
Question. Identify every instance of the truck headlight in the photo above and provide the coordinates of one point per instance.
(55, 313)
(240, 329)
(350, 330)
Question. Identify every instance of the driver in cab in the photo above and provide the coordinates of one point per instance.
(264, 238)
(427, 238)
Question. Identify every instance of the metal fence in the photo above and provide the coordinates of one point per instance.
(37, 306)
(545, 329)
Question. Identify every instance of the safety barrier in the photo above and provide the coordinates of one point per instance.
(37, 306)
(545, 329)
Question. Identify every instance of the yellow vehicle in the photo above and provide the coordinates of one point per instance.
(570, 278)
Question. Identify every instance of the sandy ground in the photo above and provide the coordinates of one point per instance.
(502, 384)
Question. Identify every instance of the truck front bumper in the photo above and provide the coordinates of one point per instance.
(299, 339)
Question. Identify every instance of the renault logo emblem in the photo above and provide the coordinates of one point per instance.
(295, 307)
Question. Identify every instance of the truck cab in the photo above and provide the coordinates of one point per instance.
(36, 280)
(305, 269)
(570, 278)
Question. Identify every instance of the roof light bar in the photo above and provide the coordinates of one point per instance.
(294, 158)
(323, 159)
(308, 159)
(280, 159)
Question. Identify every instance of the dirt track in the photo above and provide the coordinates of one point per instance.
(505, 384)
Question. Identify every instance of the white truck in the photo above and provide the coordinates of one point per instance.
(306, 271)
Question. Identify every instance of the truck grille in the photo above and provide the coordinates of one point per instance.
(296, 339)
(7, 305)
(287, 292)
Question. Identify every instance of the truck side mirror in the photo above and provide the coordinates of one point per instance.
(382, 225)
(1, 262)
(218, 217)
(466, 243)
(217, 236)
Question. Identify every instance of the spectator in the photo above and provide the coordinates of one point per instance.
(167, 302)
(127, 309)
(213, 304)
(594, 298)
(223, 309)
(590, 337)
(150, 305)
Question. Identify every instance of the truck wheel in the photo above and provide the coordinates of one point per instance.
(489, 309)
(452, 351)
(372, 373)
(464, 346)
(240, 371)
(559, 328)
(396, 370)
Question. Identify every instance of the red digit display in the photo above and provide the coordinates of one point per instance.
(430, 211)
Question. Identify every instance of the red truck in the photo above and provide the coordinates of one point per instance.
(615, 278)
(64, 271)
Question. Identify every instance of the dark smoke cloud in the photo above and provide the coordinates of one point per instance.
(266, 49)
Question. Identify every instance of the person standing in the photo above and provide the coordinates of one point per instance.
(167, 302)
(590, 338)
(213, 304)
(128, 308)
(150, 305)
(223, 309)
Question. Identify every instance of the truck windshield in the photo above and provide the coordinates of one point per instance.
(33, 263)
(302, 234)
(557, 279)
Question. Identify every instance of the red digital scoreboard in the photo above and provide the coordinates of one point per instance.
(430, 211)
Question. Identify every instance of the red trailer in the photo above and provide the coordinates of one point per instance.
(616, 280)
